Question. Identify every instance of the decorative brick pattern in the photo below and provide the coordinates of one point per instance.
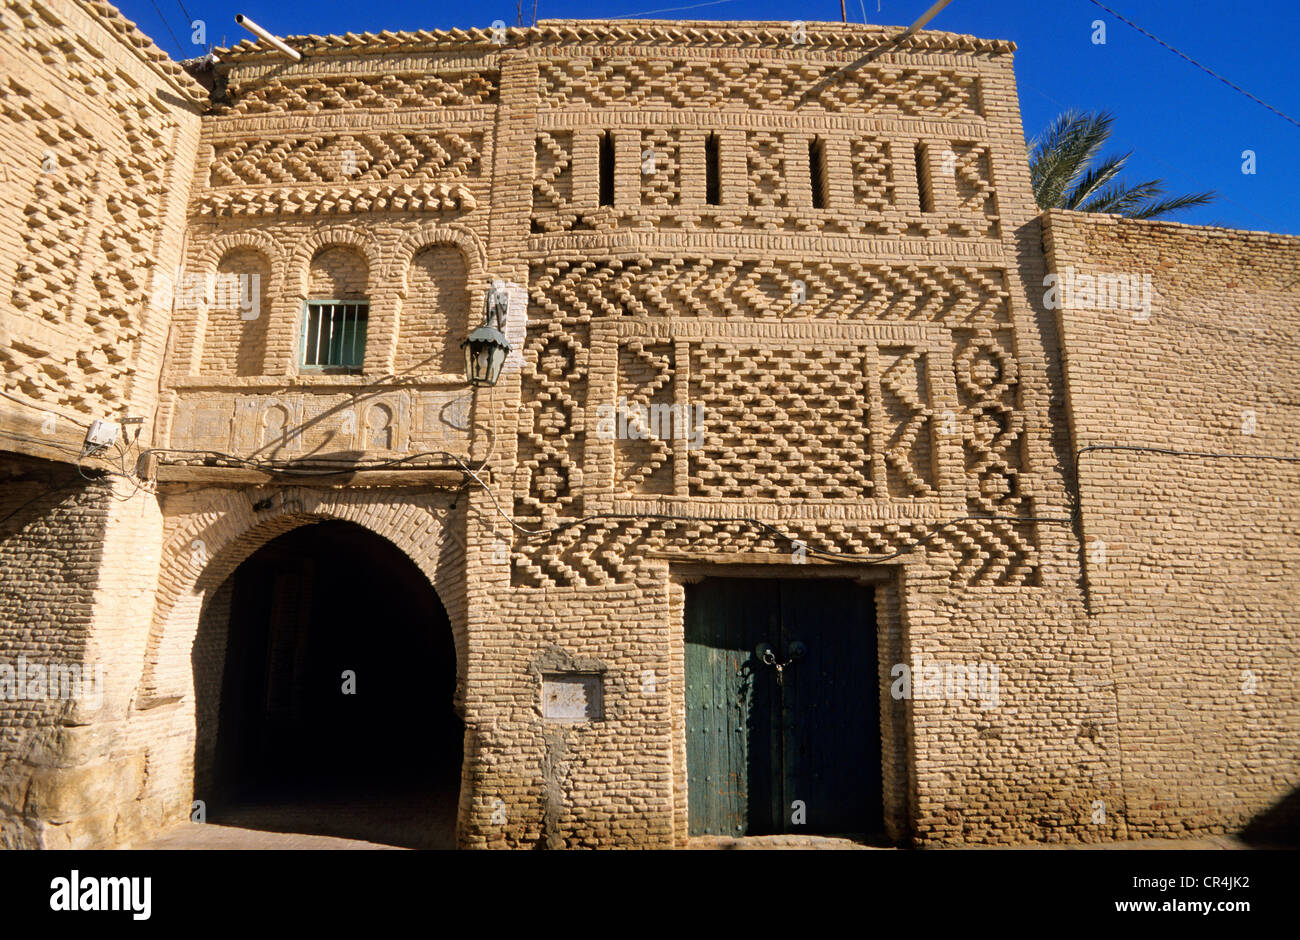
(781, 424)
(663, 83)
(552, 424)
(867, 390)
(873, 174)
(695, 286)
(450, 89)
(644, 457)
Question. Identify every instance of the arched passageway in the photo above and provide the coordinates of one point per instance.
(325, 671)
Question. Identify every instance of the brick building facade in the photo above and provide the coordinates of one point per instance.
(789, 365)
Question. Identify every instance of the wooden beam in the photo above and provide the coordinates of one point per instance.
(242, 476)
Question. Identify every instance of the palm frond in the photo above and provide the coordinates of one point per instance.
(1121, 198)
(1062, 174)
(1161, 207)
(1094, 181)
(1063, 153)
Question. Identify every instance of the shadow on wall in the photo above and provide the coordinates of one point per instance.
(1279, 825)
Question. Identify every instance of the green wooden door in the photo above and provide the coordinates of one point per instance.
(765, 751)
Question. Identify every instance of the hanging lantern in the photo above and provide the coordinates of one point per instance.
(486, 348)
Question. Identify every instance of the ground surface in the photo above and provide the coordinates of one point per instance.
(216, 836)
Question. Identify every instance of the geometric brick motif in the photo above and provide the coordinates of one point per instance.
(661, 156)
(905, 403)
(347, 158)
(332, 93)
(780, 423)
(551, 421)
(988, 392)
(936, 94)
(873, 174)
(553, 182)
(607, 552)
(765, 155)
(643, 455)
(706, 287)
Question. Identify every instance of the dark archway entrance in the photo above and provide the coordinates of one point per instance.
(335, 694)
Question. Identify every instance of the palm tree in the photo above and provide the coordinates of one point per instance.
(1063, 175)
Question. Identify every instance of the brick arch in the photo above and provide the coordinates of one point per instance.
(222, 529)
(431, 235)
(298, 268)
(206, 263)
(217, 249)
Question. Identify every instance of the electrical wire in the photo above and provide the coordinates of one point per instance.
(694, 6)
(1183, 55)
(165, 23)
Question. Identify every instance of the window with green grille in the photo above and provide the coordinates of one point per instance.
(334, 334)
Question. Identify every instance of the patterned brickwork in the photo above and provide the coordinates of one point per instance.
(361, 159)
(345, 173)
(780, 424)
(873, 174)
(92, 139)
(772, 287)
(553, 183)
(662, 83)
(661, 168)
(974, 180)
(449, 89)
(765, 159)
(803, 371)
(905, 399)
(794, 423)
(552, 421)
(768, 178)
(987, 384)
(611, 552)
(644, 456)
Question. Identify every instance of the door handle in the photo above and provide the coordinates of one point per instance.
(766, 654)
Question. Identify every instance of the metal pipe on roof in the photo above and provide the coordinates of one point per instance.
(266, 37)
(924, 18)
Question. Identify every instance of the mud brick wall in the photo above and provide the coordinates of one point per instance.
(1192, 562)
(52, 526)
(98, 129)
(871, 369)
(876, 369)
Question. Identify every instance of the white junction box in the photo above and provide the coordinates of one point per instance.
(101, 434)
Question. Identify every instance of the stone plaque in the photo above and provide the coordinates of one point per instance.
(572, 696)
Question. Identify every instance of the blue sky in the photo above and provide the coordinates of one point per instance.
(1184, 126)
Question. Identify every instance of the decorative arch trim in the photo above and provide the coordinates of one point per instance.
(217, 531)
(338, 236)
(217, 249)
(432, 235)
